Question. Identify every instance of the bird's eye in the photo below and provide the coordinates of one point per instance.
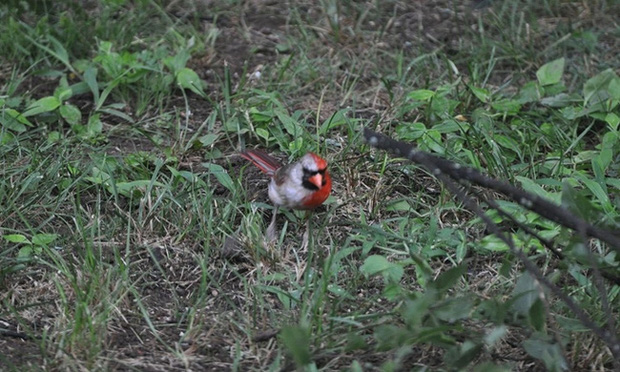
(310, 173)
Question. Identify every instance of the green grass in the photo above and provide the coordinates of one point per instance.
(132, 234)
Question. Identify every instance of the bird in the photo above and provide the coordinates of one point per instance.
(303, 185)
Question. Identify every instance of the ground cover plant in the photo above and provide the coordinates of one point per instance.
(132, 233)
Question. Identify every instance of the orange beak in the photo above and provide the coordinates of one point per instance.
(316, 180)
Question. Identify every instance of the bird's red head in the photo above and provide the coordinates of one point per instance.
(316, 178)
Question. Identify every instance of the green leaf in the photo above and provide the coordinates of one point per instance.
(595, 89)
(297, 342)
(537, 315)
(613, 120)
(263, 133)
(188, 79)
(495, 335)
(355, 342)
(43, 239)
(16, 238)
(614, 88)
(551, 73)
(377, 264)
(119, 114)
(42, 105)
(578, 203)
(94, 126)
(290, 125)
(547, 350)
(421, 95)
(208, 139)
(533, 187)
(493, 243)
(399, 206)
(448, 279)
(14, 120)
(465, 354)
(453, 309)
(507, 106)
(28, 251)
(525, 293)
(71, 114)
(530, 92)
(482, 94)
(337, 119)
(63, 93)
(221, 175)
(90, 77)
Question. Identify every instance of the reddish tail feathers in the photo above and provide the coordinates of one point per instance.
(262, 160)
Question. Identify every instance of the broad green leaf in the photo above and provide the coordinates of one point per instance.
(493, 243)
(43, 239)
(188, 79)
(613, 120)
(398, 206)
(111, 111)
(63, 93)
(421, 95)
(530, 92)
(26, 252)
(90, 77)
(482, 94)
(595, 188)
(221, 175)
(94, 126)
(537, 315)
(355, 342)
(263, 133)
(578, 203)
(525, 293)
(16, 238)
(338, 118)
(297, 341)
(208, 139)
(14, 120)
(614, 88)
(261, 116)
(376, 264)
(532, 187)
(290, 125)
(467, 352)
(561, 100)
(495, 335)
(448, 279)
(410, 131)
(508, 106)
(42, 105)
(551, 73)
(544, 348)
(595, 89)
(70, 113)
(454, 309)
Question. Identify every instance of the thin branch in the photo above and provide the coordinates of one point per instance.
(528, 200)
(446, 171)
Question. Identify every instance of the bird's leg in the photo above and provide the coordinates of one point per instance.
(272, 234)
(306, 237)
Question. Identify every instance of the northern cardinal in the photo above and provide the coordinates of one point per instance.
(304, 184)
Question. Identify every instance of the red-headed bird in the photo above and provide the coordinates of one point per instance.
(304, 184)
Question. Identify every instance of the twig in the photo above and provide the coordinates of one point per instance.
(446, 171)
